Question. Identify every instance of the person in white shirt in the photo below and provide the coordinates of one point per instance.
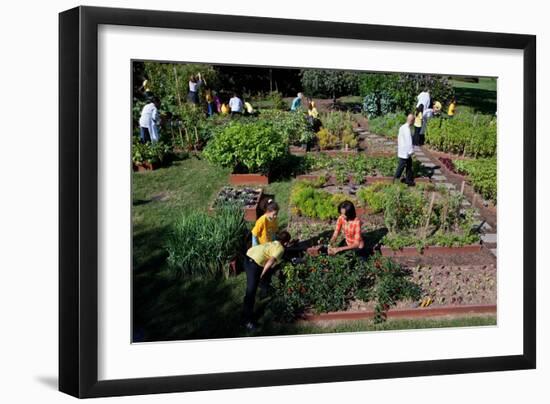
(149, 121)
(195, 82)
(424, 99)
(426, 116)
(405, 152)
(235, 105)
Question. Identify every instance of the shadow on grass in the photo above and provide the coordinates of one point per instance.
(484, 101)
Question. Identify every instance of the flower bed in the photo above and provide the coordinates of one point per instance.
(337, 132)
(244, 198)
(148, 156)
(330, 283)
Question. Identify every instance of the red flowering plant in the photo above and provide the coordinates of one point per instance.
(329, 283)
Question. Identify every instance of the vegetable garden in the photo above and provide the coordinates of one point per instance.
(192, 226)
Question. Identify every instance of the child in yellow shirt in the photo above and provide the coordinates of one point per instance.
(418, 115)
(452, 108)
(266, 227)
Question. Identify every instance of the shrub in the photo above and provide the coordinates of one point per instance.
(336, 130)
(293, 127)
(152, 153)
(483, 175)
(468, 134)
(247, 146)
(329, 283)
(277, 101)
(203, 245)
(326, 139)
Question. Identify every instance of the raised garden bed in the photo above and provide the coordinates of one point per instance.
(248, 198)
(331, 180)
(248, 179)
(420, 312)
(429, 250)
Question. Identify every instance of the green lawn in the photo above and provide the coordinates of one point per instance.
(478, 97)
(165, 308)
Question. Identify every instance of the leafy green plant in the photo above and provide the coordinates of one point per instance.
(151, 153)
(293, 127)
(483, 175)
(252, 146)
(202, 245)
(413, 219)
(309, 201)
(277, 101)
(466, 133)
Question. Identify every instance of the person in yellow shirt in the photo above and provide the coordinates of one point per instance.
(437, 108)
(452, 108)
(312, 110)
(266, 227)
(418, 115)
(225, 109)
(258, 265)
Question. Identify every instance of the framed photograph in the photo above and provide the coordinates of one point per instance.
(250, 201)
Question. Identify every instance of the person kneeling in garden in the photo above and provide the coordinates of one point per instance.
(259, 265)
(349, 223)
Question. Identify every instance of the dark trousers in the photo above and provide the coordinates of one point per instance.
(253, 272)
(416, 136)
(405, 164)
(144, 135)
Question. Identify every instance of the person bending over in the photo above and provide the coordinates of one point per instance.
(259, 264)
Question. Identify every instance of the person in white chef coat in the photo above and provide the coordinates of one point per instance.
(149, 122)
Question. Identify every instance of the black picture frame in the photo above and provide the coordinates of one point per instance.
(78, 201)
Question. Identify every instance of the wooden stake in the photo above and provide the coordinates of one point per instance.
(429, 215)
(462, 188)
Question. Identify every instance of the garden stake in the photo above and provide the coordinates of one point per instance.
(429, 214)
(462, 188)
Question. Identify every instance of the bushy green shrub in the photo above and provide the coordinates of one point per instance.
(483, 175)
(203, 245)
(251, 146)
(329, 283)
(308, 201)
(292, 126)
(387, 125)
(466, 133)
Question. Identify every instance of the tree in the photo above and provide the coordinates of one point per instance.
(329, 83)
(389, 92)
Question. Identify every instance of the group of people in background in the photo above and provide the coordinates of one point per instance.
(426, 108)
